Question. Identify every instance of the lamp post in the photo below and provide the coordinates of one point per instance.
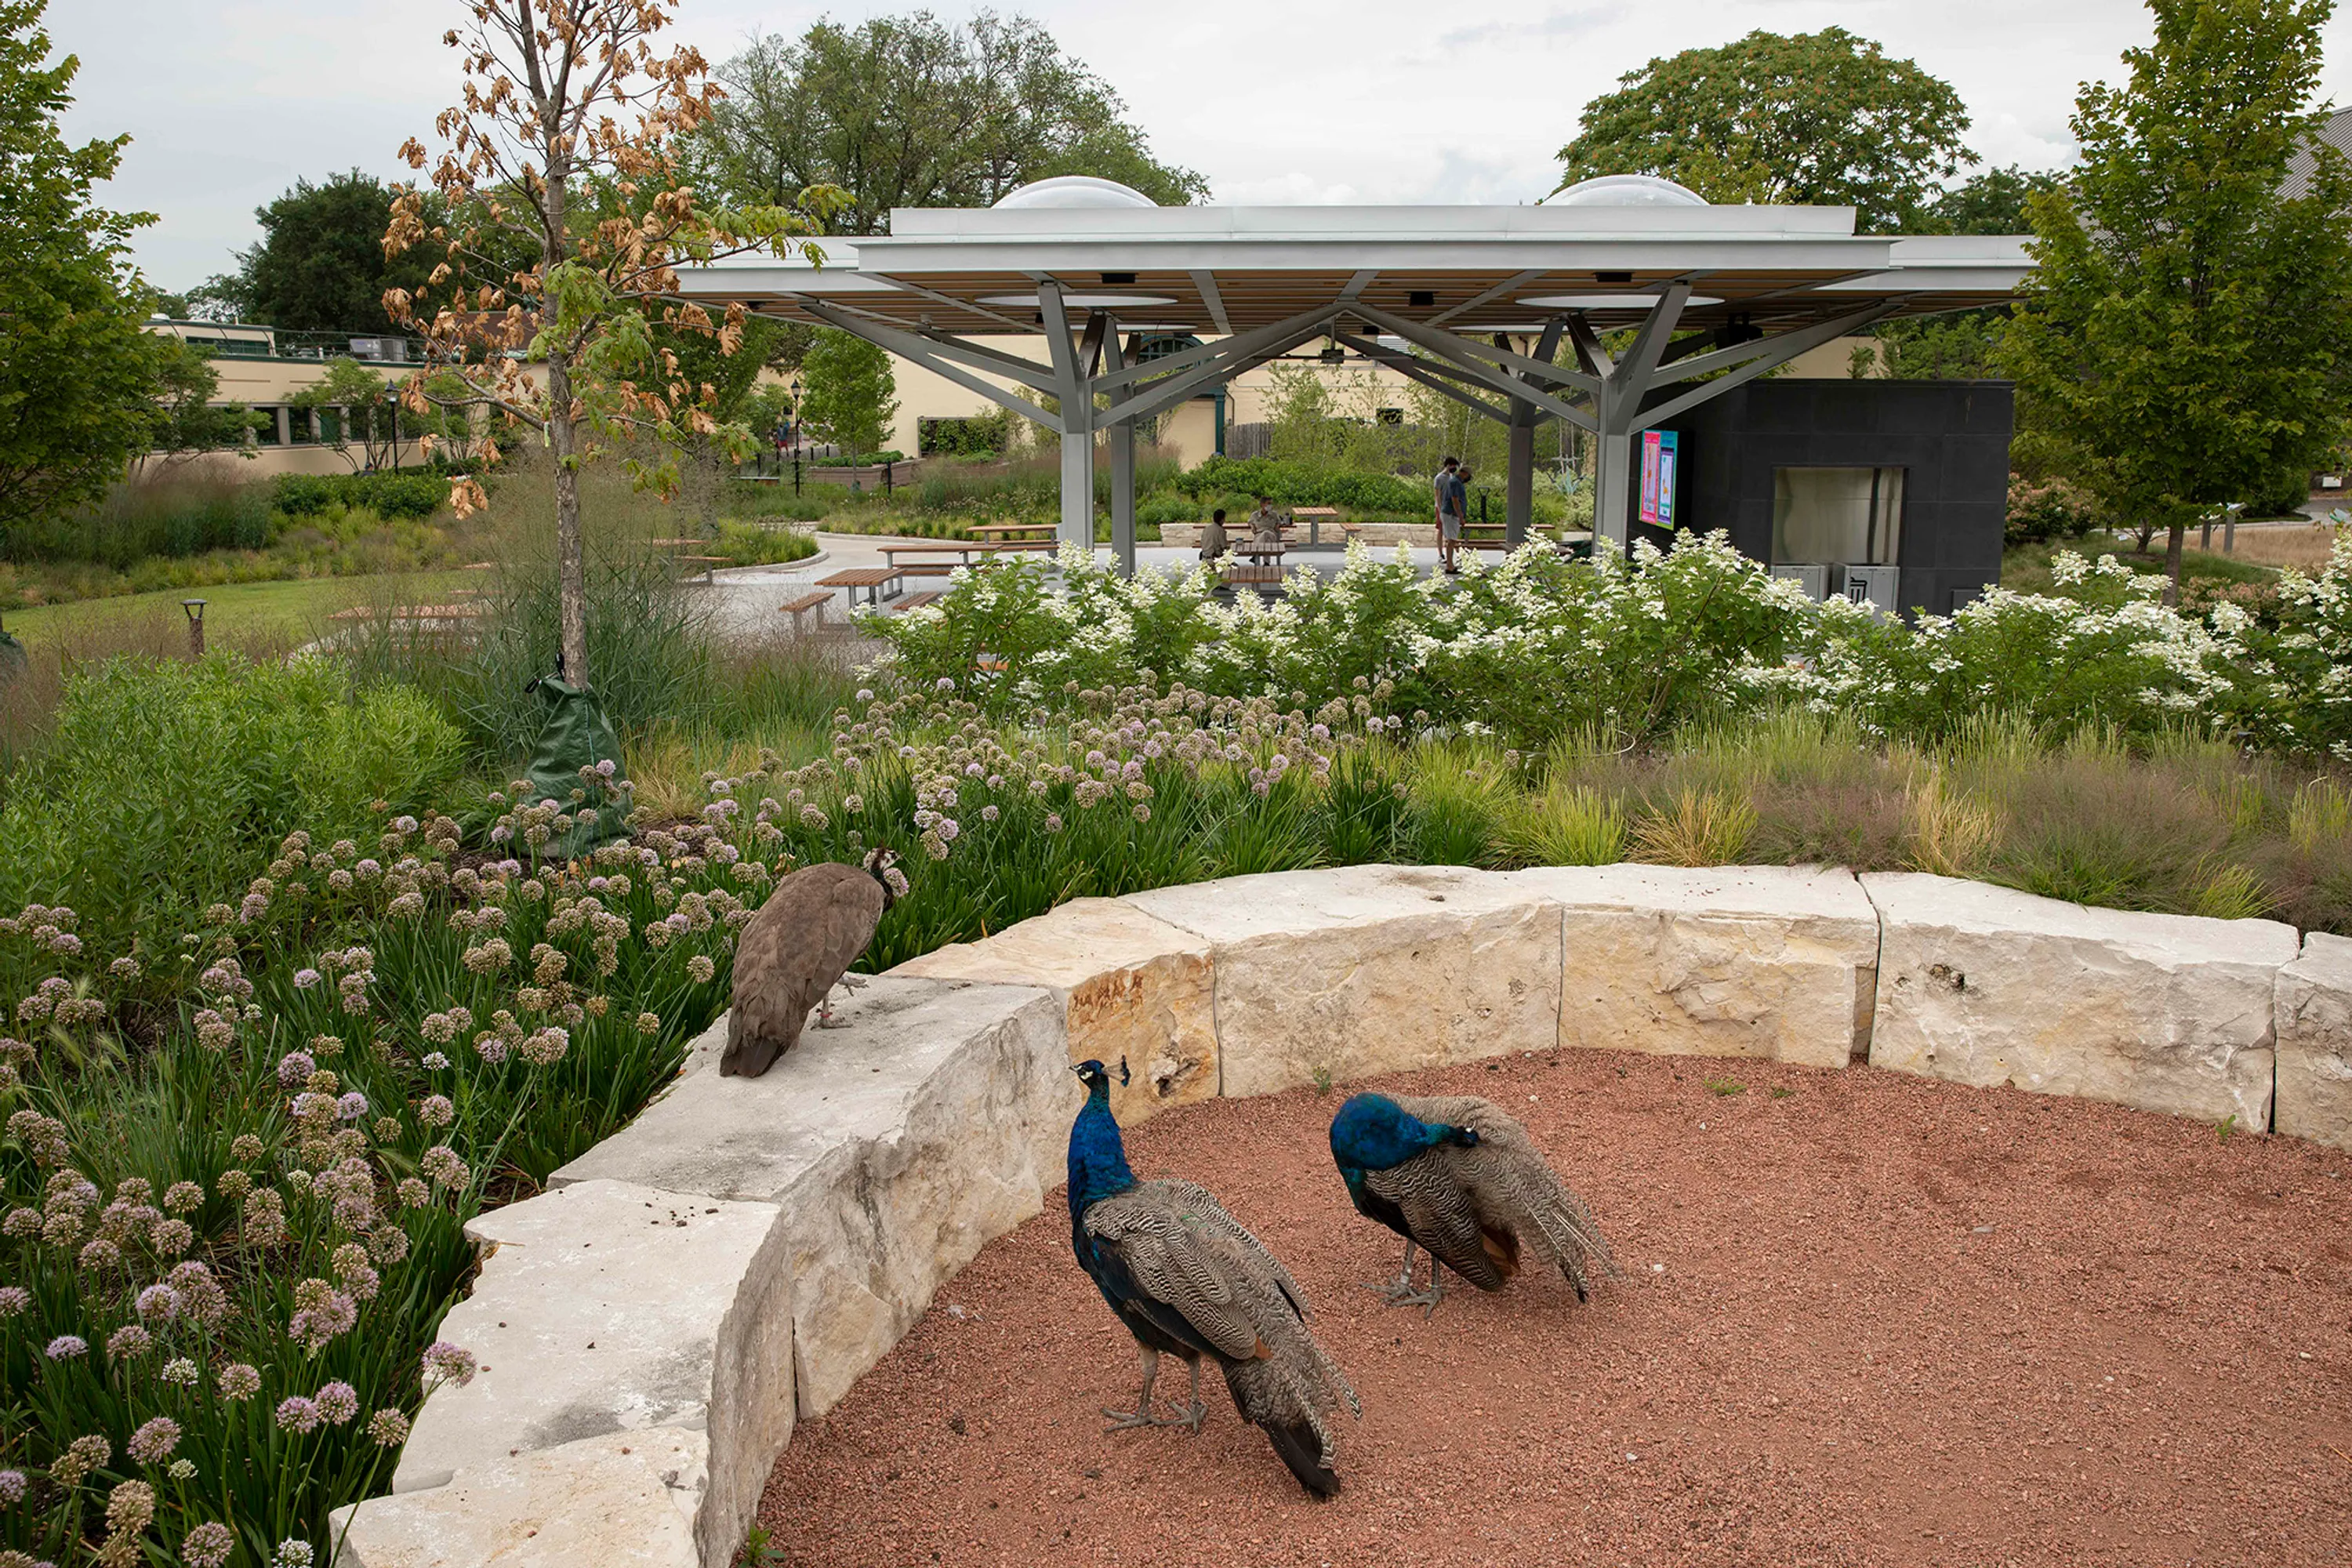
(195, 609)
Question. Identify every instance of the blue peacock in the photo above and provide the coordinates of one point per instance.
(1188, 1280)
(1460, 1179)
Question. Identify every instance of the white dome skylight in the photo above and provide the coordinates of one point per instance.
(1626, 191)
(1075, 190)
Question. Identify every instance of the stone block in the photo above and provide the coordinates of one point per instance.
(624, 1500)
(2314, 1042)
(606, 1305)
(1368, 969)
(929, 1122)
(1774, 961)
(1130, 986)
(1986, 985)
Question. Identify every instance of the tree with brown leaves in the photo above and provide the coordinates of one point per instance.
(568, 217)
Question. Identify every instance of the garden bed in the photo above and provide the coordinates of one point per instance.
(1867, 1319)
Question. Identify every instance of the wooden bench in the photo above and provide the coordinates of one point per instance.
(873, 579)
(709, 564)
(1012, 530)
(798, 610)
(1262, 554)
(916, 601)
(1240, 575)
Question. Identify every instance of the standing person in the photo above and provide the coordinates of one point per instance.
(1440, 487)
(1457, 508)
(1212, 538)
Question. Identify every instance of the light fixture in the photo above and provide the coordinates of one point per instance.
(195, 609)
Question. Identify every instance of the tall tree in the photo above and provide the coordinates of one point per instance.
(562, 151)
(848, 392)
(320, 265)
(2182, 342)
(908, 111)
(1821, 118)
(1993, 202)
(78, 372)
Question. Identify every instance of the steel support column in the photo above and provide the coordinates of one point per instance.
(1076, 391)
(1519, 493)
(1121, 436)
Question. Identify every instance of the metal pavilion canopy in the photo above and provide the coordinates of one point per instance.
(1474, 302)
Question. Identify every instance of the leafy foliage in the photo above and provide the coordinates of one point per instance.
(908, 111)
(849, 390)
(569, 214)
(2181, 342)
(77, 372)
(1822, 118)
(320, 265)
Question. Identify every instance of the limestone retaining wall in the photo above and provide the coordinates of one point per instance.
(651, 1327)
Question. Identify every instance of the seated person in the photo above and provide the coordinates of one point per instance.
(1214, 542)
(1265, 523)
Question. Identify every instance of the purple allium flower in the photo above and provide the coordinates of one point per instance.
(437, 1111)
(239, 1381)
(445, 1362)
(989, 813)
(292, 1555)
(296, 1067)
(865, 695)
(403, 825)
(338, 1403)
(435, 1061)
(352, 1107)
(180, 1372)
(159, 1301)
(207, 1546)
(14, 1299)
(388, 1427)
(501, 833)
(129, 1342)
(305, 978)
(65, 1347)
(1052, 822)
(945, 683)
(153, 1443)
(895, 880)
(298, 1415)
(607, 768)
(12, 1487)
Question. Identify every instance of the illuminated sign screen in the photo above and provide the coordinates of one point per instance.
(1658, 454)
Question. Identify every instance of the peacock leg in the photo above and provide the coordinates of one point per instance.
(824, 1018)
(1194, 1411)
(1427, 1299)
(1394, 1292)
(1120, 1420)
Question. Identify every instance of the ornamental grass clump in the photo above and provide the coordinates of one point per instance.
(236, 1165)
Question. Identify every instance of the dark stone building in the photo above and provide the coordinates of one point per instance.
(1847, 475)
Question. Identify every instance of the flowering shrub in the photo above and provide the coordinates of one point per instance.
(235, 1170)
(1626, 648)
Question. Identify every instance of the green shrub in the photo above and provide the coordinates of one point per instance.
(417, 494)
(747, 544)
(1290, 483)
(162, 783)
(174, 516)
(2043, 509)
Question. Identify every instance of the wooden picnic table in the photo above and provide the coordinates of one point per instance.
(963, 550)
(1013, 529)
(1262, 551)
(873, 579)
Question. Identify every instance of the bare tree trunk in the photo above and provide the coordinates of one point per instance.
(572, 574)
(2172, 548)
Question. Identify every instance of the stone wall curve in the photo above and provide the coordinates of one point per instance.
(653, 1325)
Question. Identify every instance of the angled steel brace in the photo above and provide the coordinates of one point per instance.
(950, 299)
(1404, 364)
(919, 351)
(1449, 347)
(1171, 364)
(1240, 353)
(1506, 286)
(1740, 353)
(981, 357)
(1785, 347)
(1537, 369)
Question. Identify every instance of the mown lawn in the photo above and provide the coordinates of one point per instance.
(235, 612)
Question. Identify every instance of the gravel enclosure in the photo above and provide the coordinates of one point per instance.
(1867, 1319)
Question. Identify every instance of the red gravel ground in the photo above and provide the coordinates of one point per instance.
(1867, 1319)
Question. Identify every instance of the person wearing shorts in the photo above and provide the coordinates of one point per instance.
(1449, 524)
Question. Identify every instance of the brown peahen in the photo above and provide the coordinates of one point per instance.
(796, 951)
(1188, 1280)
(1462, 1180)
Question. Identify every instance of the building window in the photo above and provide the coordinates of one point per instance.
(265, 429)
(331, 426)
(1840, 516)
(1389, 416)
(298, 429)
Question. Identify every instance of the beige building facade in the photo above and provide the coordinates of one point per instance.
(265, 369)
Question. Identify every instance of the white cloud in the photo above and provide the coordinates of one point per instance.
(1306, 100)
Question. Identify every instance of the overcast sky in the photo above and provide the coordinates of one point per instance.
(228, 101)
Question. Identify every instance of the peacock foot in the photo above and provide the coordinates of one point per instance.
(1124, 1420)
(1190, 1418)
(1401, 1293)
